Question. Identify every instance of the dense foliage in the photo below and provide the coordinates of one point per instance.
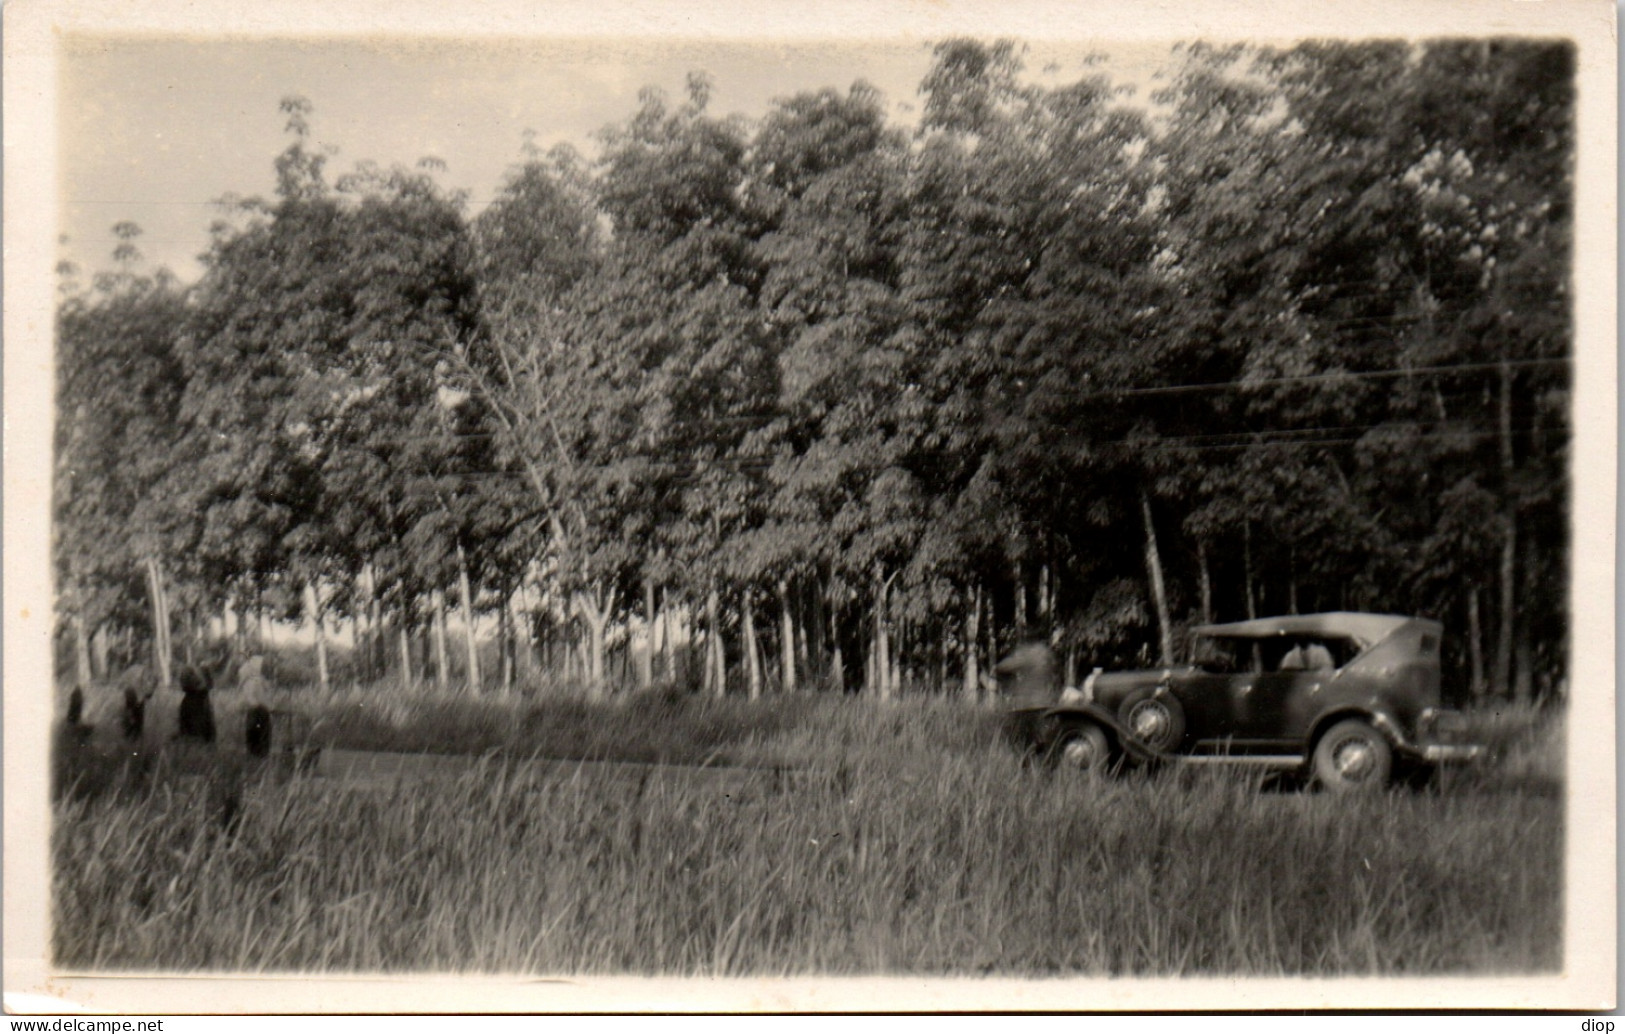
(824, 400)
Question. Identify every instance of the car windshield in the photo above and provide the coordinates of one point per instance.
(1221, 656)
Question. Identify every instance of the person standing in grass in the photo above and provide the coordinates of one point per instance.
(1029, 680)
(255, 690)
(196, 715)
(1030, 676)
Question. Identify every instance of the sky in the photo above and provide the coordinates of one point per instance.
(154, 129)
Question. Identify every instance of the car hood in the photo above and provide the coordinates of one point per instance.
(1117, 680)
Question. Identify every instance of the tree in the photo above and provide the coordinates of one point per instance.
(313, 402)
(119, 382)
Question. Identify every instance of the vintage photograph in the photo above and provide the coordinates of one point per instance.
(981, 504)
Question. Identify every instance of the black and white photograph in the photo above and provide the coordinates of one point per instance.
(941, 507)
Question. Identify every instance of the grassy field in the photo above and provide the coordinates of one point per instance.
(916, 843)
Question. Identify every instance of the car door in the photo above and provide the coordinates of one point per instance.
(1205, 697)
(1267, 711)
(1285, 696)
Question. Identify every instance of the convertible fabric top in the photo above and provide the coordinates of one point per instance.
(1368, 629)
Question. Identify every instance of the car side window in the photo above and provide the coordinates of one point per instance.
(1313, 655)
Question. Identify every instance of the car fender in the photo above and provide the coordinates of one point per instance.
(1378, 717)
(1125, 741)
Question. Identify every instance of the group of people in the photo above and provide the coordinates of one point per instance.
(195, 720)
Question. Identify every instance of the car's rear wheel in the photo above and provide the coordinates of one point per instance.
(1154, 717)
(1081, 747)
(1353, 756)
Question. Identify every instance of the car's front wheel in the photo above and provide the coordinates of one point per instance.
(1155, 718)
(1081, 747)
(1353, 756)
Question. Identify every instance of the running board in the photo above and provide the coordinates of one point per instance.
(1251, 760)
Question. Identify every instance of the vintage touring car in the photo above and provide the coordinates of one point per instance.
(1349, 700)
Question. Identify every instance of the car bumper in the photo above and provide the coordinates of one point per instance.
(1434, 743)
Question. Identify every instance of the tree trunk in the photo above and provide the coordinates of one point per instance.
(189, 621)
(1523, 656)
(941, 650)
(1018, 576)
(505, 643)
(1292, 579)
(992, 634)
(679, 639)
(715, 657)
(753, 662)
(1247, 567)
(896, 644)
(523, 644)
(242, 624)
(668, 638)
(1475, 646)
(973, 622)
(787, 637)
(474, 680)
(594, 610)
(81, 638)
(837, 665)
(442, 676)
(1207, 581)
(313, 599)
(378, 655)
(1523, 672)
(646, 660)
(898, 650)
(406, 651)
(1159, 594)
(160, 621)
(1504, 639)
(1045, 602)
(798, 629)
(1509, 542)
(814, 632)
(880, 680)
(98, 651)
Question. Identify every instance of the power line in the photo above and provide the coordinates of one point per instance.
(1314, 378)
(683, 423)
(1219, 441)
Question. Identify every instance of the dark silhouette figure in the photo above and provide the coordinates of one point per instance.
(1030, 676)
(196, 716)
(257, 731)
(134, 719)
(74, 722)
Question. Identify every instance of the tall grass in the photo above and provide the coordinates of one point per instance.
(916, 844)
